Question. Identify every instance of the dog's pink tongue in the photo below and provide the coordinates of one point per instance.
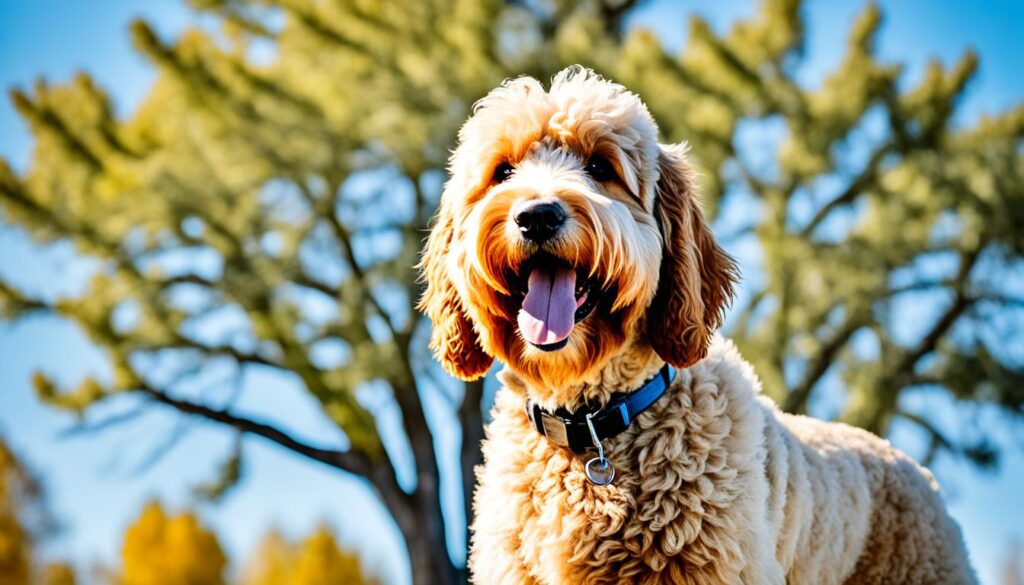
(549, 308)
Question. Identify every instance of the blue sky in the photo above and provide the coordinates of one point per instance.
(95, 482)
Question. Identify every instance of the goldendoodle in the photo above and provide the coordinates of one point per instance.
(629, 443)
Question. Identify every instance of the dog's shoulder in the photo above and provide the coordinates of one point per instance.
(725, 368)
(725, 378)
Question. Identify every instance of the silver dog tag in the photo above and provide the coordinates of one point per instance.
(600, 471)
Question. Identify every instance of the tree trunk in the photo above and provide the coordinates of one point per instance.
(429, 559)
(471, 419)
(425, 536)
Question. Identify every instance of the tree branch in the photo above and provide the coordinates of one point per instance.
(326, 207)
(471, 420)
(350, 461)
(852, 191)
(380, 473)
(938, 439)
(902, 373)
(796, 400)
(961, 302)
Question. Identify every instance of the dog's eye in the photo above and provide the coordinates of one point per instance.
(600, 169)
(502, 172)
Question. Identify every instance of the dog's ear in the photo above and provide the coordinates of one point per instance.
(453, 340)
(697, 275)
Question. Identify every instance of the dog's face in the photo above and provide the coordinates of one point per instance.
(566, 231)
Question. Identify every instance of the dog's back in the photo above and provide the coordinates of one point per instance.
(854, 505)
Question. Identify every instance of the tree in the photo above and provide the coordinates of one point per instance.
(24, 520)
(161, 549)
(170, 550)
(281, 173)
(58, 574)
(317, 560)
(17, 488)
(271, 562)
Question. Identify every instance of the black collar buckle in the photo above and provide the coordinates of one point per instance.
(570, 429)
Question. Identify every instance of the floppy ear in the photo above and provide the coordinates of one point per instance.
(452, 339)
(697, 275)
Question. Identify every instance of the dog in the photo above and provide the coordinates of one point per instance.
(629, 441)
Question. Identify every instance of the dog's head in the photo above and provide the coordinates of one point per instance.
(565, 231)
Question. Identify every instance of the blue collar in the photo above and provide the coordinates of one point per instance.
(570, 429)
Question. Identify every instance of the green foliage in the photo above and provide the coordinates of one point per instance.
(290, 157)
(229, 474)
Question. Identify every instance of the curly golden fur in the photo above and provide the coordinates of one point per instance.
(714, 484)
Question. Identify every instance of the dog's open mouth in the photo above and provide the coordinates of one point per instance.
(556, 297)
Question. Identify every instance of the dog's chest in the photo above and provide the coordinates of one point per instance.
(571, 530)
(671, 515)
(646, 526)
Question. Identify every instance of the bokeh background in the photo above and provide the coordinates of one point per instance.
(184, 169)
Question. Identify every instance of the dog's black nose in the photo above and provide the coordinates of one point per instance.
(540, 221)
